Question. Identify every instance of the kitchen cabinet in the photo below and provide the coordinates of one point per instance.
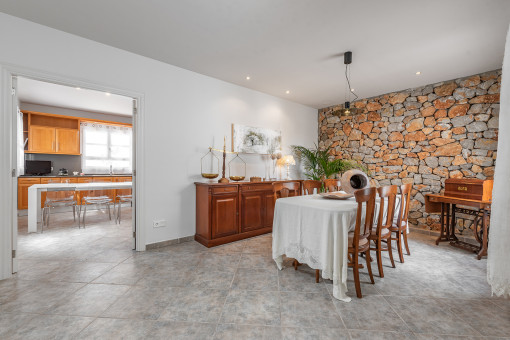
(41, 139)
(232, 211)
(123, 191)
(67, 141)
(23, 185)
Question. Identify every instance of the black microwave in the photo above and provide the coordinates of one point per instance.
(37, 168)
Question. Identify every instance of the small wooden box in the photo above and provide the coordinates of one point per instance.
(474, 189)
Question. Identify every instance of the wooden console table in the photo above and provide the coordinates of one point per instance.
(447, 207)
(228, 212)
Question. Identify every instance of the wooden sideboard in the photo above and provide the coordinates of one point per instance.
(228, 212)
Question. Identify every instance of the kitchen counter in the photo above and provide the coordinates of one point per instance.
(44, 176)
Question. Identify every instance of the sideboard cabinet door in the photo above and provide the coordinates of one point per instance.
(252, 211)
(224, 215)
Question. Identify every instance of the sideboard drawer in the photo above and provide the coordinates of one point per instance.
(222, 190)
(257, 187)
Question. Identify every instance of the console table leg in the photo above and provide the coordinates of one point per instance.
(483, 250)
(441, 232)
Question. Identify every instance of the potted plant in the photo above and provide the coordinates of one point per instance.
(318, 165)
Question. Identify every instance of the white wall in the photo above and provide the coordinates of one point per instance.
(185, 112)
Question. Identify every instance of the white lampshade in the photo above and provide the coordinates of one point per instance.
(288, 160)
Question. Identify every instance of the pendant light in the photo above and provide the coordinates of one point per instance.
(347, 110)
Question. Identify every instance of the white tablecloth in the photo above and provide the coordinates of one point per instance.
(313, 230)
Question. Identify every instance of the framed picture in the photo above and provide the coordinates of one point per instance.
(248, 139)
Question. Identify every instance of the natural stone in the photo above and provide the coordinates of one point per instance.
(458, 130)
(458, 110)
(476, 127)
(366, 127)
(459, 160)
(415, 125)
(463, 93)
(432, 161)
(395, 136)
(451, 149)
(445, 90)
(444, 103)
(373, 106)
(415, 136)
(429, 111)
(374, 116)
(441, 141)
(398, 98)
(493, 123)
(488, 98)
(486, 144)
(462, 120)
(471, 81)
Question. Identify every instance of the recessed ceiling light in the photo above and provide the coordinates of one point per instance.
(107, 93)
(78, 88)
(248, 78)
(352, 90)
(287, 92)
(418, 73)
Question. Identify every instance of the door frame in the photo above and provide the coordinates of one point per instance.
(8, 143)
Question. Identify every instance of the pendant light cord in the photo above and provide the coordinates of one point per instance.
(349, 83)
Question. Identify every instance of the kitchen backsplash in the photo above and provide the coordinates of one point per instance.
(71, 163)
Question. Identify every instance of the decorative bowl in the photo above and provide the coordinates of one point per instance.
(236, 178)
(209, 176)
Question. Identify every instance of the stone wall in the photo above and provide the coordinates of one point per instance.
(423, 135)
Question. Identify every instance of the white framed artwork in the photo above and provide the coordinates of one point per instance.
(248, 139)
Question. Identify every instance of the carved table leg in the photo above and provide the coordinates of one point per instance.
(453, 225)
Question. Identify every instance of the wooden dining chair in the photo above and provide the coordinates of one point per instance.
(332, 184)
(399, 227)
(284, 189)
(381, 234)
(358, 241)
(309, 185)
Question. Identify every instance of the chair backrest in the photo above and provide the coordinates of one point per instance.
(282, 190)
(405, 197)
(98, 192)
(59, 195)
(362, 229)
(332, 184)
(388, 197)
(309, 185)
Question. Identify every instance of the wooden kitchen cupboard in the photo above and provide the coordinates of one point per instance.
(23, 185)
(52, 134)
(232, 211)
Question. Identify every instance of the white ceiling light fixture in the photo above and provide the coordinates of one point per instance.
(108, 94)
(418, 73)
(287, 92)
(248, 77)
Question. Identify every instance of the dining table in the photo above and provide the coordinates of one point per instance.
(34, 196)
(314, 230)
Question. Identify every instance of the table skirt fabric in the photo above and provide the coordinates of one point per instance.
(314, 231)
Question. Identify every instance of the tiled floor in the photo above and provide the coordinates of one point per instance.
(88, 284)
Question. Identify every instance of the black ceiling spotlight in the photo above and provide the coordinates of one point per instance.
(347, 110)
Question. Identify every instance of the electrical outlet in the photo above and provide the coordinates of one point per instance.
(159, 223)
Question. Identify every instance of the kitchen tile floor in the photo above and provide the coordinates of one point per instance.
(88, 284)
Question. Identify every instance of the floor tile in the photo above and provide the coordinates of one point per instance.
(182, 330)
(309, 310)
(370, 313)
(256, 279)
(212, 278)
(50, 327)
(299, 333)
(261, 261)
(139, 303)
(91, 300)
(372, 335)
(252, 307)
(247, 332)
(123, 274)
(301, 280)
(106, 328)
(193, 304)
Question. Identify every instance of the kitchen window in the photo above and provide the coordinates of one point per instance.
(106, 148)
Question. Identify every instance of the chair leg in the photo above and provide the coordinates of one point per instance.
(399, 247)
(390, 252)
(84, 213)
(405, 241)
(355, 271)
(369, 265)
(118, 212)
(379, 258)
(109, 212)
(74, 213)
(295, 264)
(317, 276)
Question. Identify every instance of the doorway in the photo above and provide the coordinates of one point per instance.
(61, 218)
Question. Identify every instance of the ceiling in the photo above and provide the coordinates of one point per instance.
(43, 93)
(287, 45)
